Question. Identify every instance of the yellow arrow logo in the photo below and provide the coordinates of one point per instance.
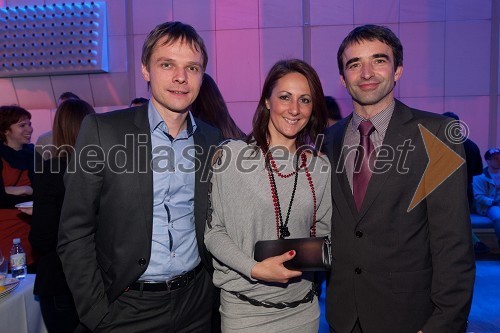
(443, 162)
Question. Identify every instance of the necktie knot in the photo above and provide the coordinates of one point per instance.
(366, 128)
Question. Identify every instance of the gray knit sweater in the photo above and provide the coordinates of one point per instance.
(243, 213)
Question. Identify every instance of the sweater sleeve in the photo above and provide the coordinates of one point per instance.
(324, 201)
(217, 239)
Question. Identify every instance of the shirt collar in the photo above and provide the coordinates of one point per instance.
(380, 121)
(155, 120)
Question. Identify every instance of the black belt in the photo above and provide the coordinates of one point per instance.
(176, 283)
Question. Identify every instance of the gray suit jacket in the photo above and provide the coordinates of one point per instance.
(106, 223)
(400, 271)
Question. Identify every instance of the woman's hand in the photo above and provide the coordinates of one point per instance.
(272, 269)
(19, 190)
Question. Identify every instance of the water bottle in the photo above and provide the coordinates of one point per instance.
(17, 260)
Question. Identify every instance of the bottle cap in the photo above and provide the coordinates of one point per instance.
(16, 240)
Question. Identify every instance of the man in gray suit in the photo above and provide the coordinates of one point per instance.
(131, 231)
(400, 265)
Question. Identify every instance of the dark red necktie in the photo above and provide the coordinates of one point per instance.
(364, 162)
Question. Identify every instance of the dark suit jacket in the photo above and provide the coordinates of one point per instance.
(400, 271)
(48, 195)
(106, 223)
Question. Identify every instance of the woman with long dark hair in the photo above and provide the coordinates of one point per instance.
(273, 185)
(210, 107)
(57, 305)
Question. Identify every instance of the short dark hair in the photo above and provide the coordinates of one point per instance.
(9, 115)
(451, 115)
(173, 31)
(372, 32)
(68, 95)
(138, 101)
(333, 108)
(317, 122)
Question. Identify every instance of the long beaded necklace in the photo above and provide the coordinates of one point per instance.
(282, 227)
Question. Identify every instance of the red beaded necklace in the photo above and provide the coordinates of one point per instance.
(282, 228)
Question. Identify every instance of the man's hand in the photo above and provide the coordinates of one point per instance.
(272, 269)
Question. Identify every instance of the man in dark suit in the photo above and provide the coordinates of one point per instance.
(398, 268)
(132, 224)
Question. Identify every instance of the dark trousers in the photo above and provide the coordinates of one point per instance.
(356, 328)
(187, 309)
(59, 313)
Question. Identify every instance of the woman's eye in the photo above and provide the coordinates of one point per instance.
(305, 100)
(284, 98)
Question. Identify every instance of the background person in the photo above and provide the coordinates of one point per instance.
(487, 189)
(56, 302)
(395, 269)
(474, 163)
(209, 106)
(44, 144)
(131, 231)
(138, 101)
(333, 109)
(17, 163)
(290, 114)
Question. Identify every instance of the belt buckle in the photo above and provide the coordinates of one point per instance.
(174, 283)
(169, 284)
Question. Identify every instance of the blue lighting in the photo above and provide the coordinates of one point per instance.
(68, 38)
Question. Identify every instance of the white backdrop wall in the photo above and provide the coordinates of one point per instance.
(451, 53)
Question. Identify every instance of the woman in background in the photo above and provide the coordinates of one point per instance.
(210, 107)
(269, 187)
(17, 163)
(57, 305)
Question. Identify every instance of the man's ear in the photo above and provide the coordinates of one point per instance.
(145, 73)
(398, 73)
(342, 80)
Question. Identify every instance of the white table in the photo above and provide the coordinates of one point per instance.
(20, 311)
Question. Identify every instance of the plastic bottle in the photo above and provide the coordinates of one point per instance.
(17, 260)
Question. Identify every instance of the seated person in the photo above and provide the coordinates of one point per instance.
(17, 162)
(487, 189)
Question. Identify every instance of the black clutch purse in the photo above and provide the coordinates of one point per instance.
(312, 253)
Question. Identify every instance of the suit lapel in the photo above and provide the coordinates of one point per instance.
(144, 177)
(393, 137)
(202, 166)
(338, 165)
